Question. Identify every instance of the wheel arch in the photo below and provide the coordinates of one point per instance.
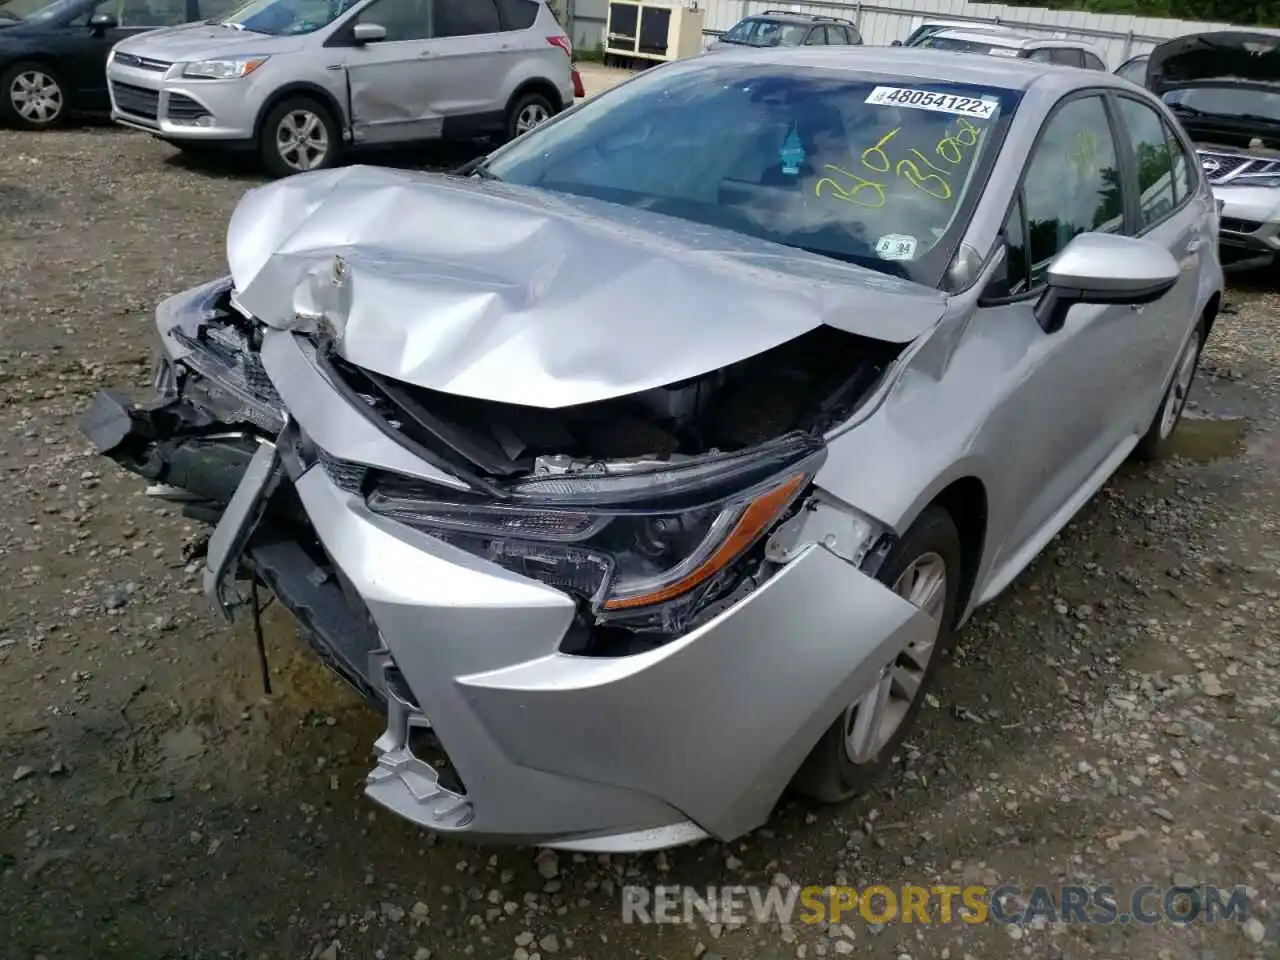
(302, 88)
(539, 85)
(965, 501)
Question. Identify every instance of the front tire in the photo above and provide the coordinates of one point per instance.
(1155, 442)
(924, 568)
(298, 135)
(32, 96)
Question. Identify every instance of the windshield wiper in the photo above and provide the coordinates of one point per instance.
(478, 167)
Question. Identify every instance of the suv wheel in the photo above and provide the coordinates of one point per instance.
(32, 96)
(526, 112)
(298, 135)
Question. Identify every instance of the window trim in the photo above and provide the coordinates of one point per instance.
(1103, 94)
(1130, 180)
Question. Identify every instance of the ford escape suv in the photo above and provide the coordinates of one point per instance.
(299, 80)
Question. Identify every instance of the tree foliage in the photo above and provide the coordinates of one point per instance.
(1243, 12)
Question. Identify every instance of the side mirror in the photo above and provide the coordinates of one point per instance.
(896, 43)
(1104, 268)
(363, 33)
(100, 23)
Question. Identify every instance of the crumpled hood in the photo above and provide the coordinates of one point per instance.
(511, 294)
(200, 41)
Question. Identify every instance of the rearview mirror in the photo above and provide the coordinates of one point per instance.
(368, 32)
(99, 23)
(1104, 268)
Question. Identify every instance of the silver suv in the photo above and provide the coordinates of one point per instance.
(298, 80)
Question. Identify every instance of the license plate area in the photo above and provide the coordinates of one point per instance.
(237, 524)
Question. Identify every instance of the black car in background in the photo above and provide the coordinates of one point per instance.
(53, 55)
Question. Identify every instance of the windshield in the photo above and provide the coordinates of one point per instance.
(35, 11)
(1227, 101)
(281, 18)
(874, 172)
(766, 33)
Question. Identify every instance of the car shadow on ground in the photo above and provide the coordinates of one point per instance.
(244, 164)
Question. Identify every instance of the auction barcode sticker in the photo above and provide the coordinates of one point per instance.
(981, 107)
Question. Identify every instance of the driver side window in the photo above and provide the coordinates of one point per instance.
(1071, 186)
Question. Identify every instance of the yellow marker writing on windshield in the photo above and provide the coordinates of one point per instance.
(875, 200)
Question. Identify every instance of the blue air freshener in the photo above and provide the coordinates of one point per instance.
(791, 155)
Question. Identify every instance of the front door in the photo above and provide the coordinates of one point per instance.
(392, 81)
(1059, 415)
(132, 18)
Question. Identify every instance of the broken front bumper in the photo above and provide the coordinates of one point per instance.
(699, 736)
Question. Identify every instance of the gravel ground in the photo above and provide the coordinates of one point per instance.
(1112, 718)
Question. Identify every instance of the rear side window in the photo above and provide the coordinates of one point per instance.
(1043, 55)
(817, 37)
(1067, 57)
(1186, 176)
(1092, 62)
(464, 18)
(518, 14)
(1151, 154)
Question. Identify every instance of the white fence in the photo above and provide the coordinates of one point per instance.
(1116, 37)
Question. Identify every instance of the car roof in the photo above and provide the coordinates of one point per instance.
(796, 16)
(924, 65)
(1013, 40)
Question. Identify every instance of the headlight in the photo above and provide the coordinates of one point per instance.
(232, 69)
(643, 545)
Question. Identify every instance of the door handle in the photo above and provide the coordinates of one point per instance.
(1194, 244)
(424, 53)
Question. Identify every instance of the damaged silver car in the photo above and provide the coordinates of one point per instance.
(649, 467)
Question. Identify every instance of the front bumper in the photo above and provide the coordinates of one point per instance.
(162, 102)
(1250, 218)
(697, 737)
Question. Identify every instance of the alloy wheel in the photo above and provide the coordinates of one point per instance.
(872, 722)
(302, 140)
(1176, 400)
(532, 115)
(36, 97)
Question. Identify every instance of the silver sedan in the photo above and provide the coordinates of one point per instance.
(650, 466)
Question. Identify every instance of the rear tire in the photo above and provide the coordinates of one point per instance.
(33, 96)
(526, 112)
(849, 756)
(1155, 442)
(297, 136)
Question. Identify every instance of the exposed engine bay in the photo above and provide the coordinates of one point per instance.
(807, 384)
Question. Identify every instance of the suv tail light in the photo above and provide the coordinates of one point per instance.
(576, 77)
(563, 42)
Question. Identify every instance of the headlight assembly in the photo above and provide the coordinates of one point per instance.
(643, 545)
(229, 69)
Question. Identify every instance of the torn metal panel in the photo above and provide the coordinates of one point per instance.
(505, 293)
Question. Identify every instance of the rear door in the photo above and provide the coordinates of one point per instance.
(471, 57)
(1169, 213)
